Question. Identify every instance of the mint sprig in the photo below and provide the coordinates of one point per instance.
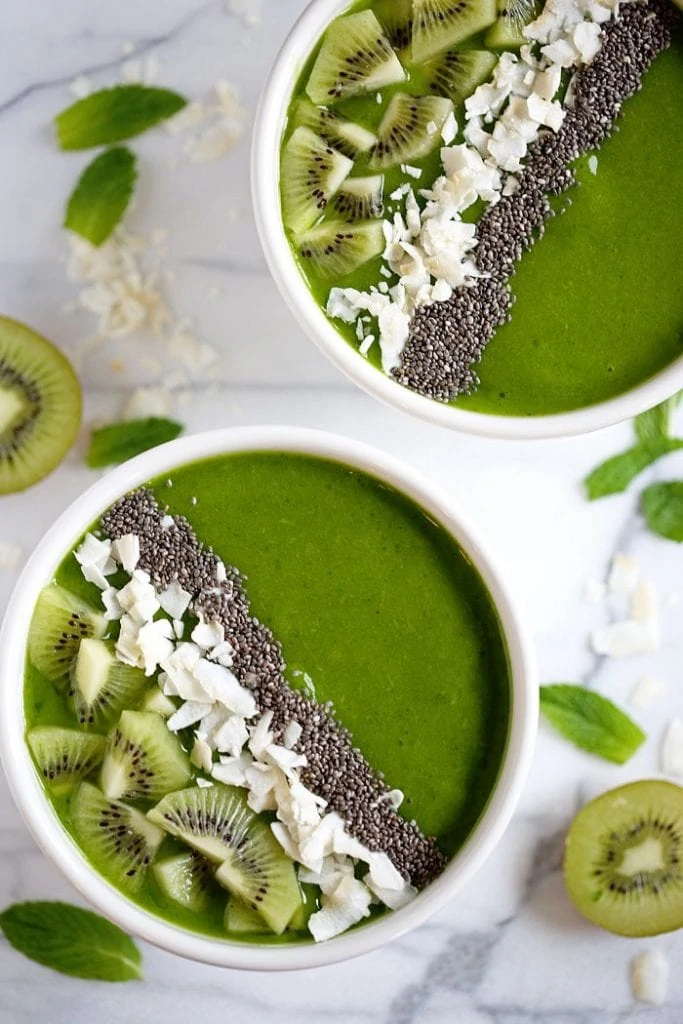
(118, 442)
(102, 194)
(591, 722)
(114, 115)
(72, 941)
(662, 506)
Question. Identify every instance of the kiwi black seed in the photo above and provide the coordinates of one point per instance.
(623, 858)
(64, 756)
(60, 622)
(440, 24)
(355, 57)
(143, 759)
(335, 248)
(40, 406)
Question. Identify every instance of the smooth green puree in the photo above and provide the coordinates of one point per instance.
(375, 604)
(599, 300)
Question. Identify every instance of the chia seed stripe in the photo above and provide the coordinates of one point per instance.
(336, 770)
(447, 339)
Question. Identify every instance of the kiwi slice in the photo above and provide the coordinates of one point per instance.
(440, 24)
(40, 406)
(513, 17)
(334, 248)
(360, 198)
(623, 856)
(155, 700)
(410, 129)
(60, 622)
(239, 918)
(185, 879)
(312, 171)
(396, 18)
(143, 760)
(345, 136)
(119, 840)
(355, 57)
(457, 73)
(101, 685)
(218, 824)
(64, 756)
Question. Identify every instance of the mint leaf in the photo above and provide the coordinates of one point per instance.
(591, 722)
(656, 423)
(614, 475)
(114, 115)
(72, 941)
(118, 442)
(663, 509)
(102, 194)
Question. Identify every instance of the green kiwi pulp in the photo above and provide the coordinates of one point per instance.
(355, 57)
(64, 756)
(60, 622)
(40, 406)
(312, 171)
(185, 879)
(101, 685)
(143, 760)
(623, 857)
(440, 24)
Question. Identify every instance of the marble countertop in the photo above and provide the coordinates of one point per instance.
(510, 949)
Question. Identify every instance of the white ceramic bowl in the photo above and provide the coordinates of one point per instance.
(57, 844)
(265, 174)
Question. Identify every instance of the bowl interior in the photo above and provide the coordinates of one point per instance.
(44, 823)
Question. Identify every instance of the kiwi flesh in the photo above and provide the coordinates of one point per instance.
(312, 171)
(155, 700)
(218, 824)
(143, 760)
(119, 840)
(457, 73)
(410, 129)
(334, 248)
(64, 756)
(355, 57)
(623, 859)
(513, 16)
(60, 622)
(396, 18)
(440, 24)
(101, 685)
(360, 198)
(40, 406)
(239, 918)
(185, 879)
(345, 136)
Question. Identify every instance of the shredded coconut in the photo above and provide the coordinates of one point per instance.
(650, 977)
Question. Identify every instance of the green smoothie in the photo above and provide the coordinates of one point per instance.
(377, 609)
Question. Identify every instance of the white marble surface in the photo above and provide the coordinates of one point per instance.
(510, 949)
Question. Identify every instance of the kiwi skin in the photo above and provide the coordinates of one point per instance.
(623, 857)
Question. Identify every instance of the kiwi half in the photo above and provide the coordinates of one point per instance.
(312, 171)
(335, 248)
(513, 17)
(623, 856)
(40, 406)
(360, 198)
(143, 760)
(410, 129)
(101, 685)
(355, 57)
(185, 879)
(119, 840)
(64, 756)
(457, 73)
(345, 136)
(440, 24)
(60, 622)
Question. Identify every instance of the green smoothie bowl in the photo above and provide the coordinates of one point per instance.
(475, 209)
(266, 701)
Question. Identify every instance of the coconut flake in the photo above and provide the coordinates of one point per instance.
(671, 751)
(232, 736)
(646, 692)
(126, 551)
(222, 686)
(10, 555)
(625, 639)
(188, 714)
(155, 644)
(175, 601)
(623, 577)
(208, 634)
(346, 906)
(650, 977)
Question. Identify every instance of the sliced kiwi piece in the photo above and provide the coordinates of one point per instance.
(396, 18)
(334, 248)
(355, 57)
(60, 622)
(440, 24)
(64, 756)
(119, 840)
(347, 137)
(101, 685)
(241, 919)
(218, 824)
(155, 700)
(312, 171)
(513, 16)
(143, 760)
(410, 129)
(457, 73)
(185, 879)
(623, 859)
(360, 198)
(40, 406)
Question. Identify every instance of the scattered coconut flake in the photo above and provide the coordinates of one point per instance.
(646, 691)
(623, 577)
(95, 559)
(188, 714)
(112, 607)
(202, 755)
(222, 686)
(650, 976)
(231, 737)
(204, 783)
(671, 751)
(80, 87)
(593, 163)
(594, 591)
(126, 551)
(155, 644)
(644, 605)
(292, 734)
(625, 639)
(175, 601)
(10, 555)
(208, 634)
(167, 522)
(232, 770)
(147, 403)
(348, 904)
(179, 629)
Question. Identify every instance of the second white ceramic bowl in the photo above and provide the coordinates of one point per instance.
(265, 174)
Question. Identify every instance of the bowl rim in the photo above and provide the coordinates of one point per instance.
(62, 850)
(265, 173)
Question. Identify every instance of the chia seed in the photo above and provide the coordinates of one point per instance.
(336, 770)
(447, 339)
